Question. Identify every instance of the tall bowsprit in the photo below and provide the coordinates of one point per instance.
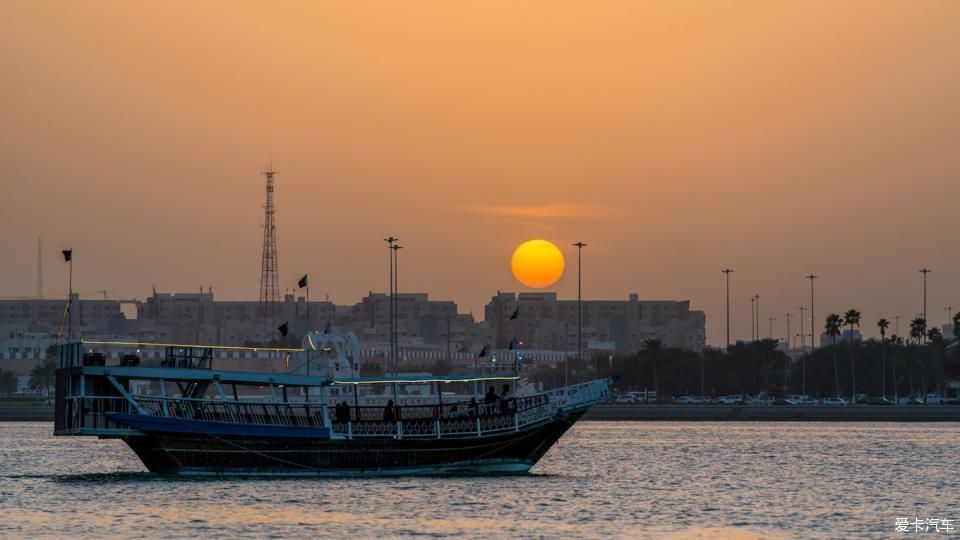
(269, 275)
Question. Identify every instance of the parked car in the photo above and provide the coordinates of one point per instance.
(730, 400)
(691, 400)
(782, 402)
(625, 398)
(934, 399)
(878, 400)
(761, 400)
(835, 401)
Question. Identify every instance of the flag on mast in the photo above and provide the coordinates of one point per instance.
(303, 282)
(484, 351)
(516, 313)
(283, 328)
(67, 255)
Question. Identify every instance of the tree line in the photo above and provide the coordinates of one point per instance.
(922, 362)
(42, 375)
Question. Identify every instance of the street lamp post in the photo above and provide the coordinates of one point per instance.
(813, 321)
(579, 246)
(925, 271)
(390, 241)
(396, 309)
(727, 271)
(770, 333)
(789, 316)
(803, 356)
(753, 319)
(757, 297)
(393, 362)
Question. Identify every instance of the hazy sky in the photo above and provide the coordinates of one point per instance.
(675, 138)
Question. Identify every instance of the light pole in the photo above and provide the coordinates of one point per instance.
(813, 321)
(392, 361)
(728, 271)
(925, 271)
(803, 356)
(770, 334)
(949, 310)
(579, 246)
(390, 241)
(396, 309)
(757, 296)
(896, 318)
(753, 319)
(789, 316)
(566, 355)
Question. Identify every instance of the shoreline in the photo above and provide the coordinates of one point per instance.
(26, 413)
(799, 413)
(691, 413)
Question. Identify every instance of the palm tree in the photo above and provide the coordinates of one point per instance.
(956, 326)
(834, 323)
(918, 329)
(883, 324)
(852, 318)
(652, 346)
(42, 376)
(8, 382)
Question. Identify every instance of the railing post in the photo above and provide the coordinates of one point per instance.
(399, 429)
(478, 426)
(436, 426)
(516, 421)
(350, 429)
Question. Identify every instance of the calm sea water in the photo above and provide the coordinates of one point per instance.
(604, 479)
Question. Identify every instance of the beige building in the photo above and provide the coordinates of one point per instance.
(546, 323)
(428, 329)
(197, 318)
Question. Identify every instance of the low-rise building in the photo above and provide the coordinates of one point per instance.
(545, 322)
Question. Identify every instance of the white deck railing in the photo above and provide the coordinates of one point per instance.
(87, 415)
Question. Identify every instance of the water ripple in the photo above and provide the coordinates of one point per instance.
(621, 480)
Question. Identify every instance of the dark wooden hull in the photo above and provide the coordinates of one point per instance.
(513, 452)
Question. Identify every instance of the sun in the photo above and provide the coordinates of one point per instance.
(537, 263)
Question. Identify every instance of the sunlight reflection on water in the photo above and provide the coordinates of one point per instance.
(660, 480)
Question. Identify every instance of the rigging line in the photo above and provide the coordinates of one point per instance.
(66, 308)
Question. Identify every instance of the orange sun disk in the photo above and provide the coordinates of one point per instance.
(537, 263)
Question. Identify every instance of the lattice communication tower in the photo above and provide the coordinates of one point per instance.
(269, 276)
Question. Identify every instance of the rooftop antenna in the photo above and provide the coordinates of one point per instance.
(269, 276)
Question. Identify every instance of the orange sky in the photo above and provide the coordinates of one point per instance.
(676, 138)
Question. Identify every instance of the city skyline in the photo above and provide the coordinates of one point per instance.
(778, 141)
(779, 333)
